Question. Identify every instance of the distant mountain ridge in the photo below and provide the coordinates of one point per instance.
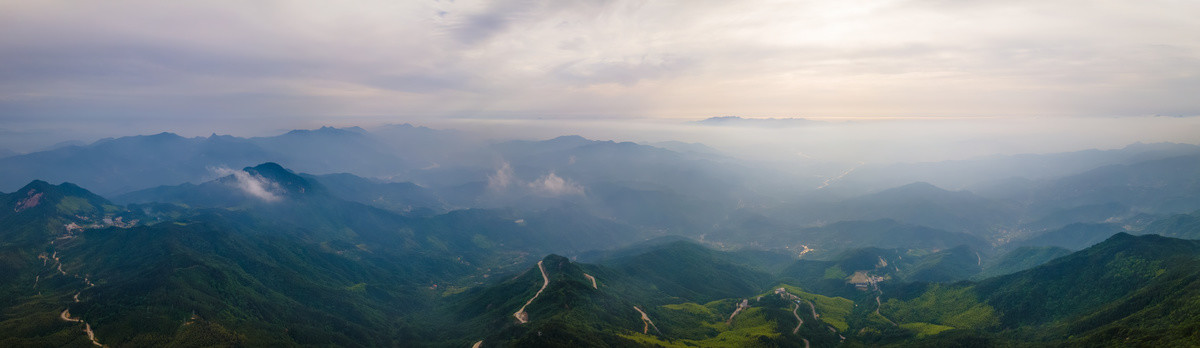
(915, 203)
(737, 121)
(979, 173)
(126, 164)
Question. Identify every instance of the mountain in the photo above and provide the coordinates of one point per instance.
(235, 188)
(559, 303)
(349, 237)
(304, 269)
(1144, 283)
(1049, 292)
(121, 165)
(617, 304)
(1088, 214)
(883, 233)
(688, 148)
(980, 174)
(130, 163)
(1137, 289)
(404, 197)
(1074, 237)
(1186, 226)
(736, 121)
(948, 265)
(685, 270)
(36, 215)
(423, 144)
(267, 182)
(838, 275)
(329, 149)
(916, 203)
(639, 185)
(1165, 185)
(1020, 259)
(312, 269)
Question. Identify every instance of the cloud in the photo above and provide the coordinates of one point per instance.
(500, 180)
(549, 185)
(67, 62)
(478, 27)
(553, 185)
(252, 184)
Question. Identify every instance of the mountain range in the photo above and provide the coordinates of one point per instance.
(348, 237)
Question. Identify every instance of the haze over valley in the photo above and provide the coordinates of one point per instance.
(599, 174)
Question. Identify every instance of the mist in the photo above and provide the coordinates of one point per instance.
(609, 173)
(869, 140)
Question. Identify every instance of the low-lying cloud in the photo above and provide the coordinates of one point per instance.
(253, 185)
(500, 180)
(548, 185)
(553, 185)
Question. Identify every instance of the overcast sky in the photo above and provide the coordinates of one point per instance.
(234, 66)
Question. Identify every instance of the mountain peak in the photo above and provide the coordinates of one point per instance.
(739, 121)
(554, 258)
(327, 130)
(1119, 237)
(919, 186)
(919, 189)
(35, 185)
(285, 178)
(268, 167)
(39, 193)
(164, 136)
(569, 139)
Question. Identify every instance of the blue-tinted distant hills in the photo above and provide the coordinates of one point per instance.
(131, 163)
(916, 203)
(978, 174)
(737, 121)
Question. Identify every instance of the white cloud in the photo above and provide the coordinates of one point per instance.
(253, 185)
(600, 58)
(500, 180)
(553, 185)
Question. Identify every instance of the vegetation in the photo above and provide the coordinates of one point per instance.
(324, 265)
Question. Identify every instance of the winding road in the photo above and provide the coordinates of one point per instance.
(741, 306)
(66, 314)
(795, 312)
(87, 328)
(520, 314)
(801, 321)
(593, 279)
(646, 320)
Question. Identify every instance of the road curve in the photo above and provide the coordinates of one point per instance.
(593, 279)
(800, 321)
(520, 314)
(87, 328)
(646, 320)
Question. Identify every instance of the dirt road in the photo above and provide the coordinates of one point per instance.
(593, 279)
(520, 314)
(646, 320)
(801, 321)
(741, 306)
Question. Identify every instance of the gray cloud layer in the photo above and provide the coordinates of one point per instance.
(148, 61)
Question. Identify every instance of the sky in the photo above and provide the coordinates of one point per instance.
(256, 67)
